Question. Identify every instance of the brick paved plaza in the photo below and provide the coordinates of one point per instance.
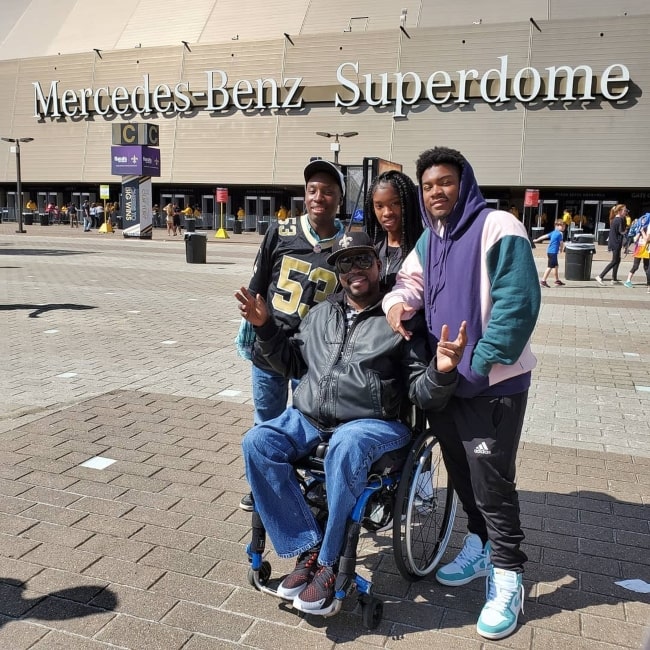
(120, 349)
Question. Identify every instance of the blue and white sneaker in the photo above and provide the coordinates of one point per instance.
(472, 562)
(505, 599)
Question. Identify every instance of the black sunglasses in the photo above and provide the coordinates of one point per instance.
(363, 262)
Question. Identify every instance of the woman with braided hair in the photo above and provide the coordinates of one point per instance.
(393, 221)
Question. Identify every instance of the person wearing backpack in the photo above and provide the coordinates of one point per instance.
(640, 232)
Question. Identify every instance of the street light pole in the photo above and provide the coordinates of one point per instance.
(19, 190)
(336, 146)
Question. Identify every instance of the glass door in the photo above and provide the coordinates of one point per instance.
(297, 205)
(208, 213)
(589, 216)
(606, 206)
(267, 209)
(252, 208)
(547, 214)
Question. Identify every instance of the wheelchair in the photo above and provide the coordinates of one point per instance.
(408, 487)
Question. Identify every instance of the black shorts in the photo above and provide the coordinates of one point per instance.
(177, 220)
(552, 260)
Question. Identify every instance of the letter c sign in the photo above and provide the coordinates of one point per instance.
(130, 133)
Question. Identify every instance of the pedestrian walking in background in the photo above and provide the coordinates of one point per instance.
(169, 218)
(72, 213)
(641, 238)
(617, 228)
(555, 246)
(87, 219)
(176, 220)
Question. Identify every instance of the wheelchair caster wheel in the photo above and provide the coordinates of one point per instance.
(372, 611)
(264, 574)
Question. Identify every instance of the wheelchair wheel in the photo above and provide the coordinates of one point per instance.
(372, 611)
(263, 576)
(425, 508)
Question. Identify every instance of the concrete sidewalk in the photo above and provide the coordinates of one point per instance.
(119, 349)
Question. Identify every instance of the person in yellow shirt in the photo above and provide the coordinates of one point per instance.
(282, 213)
(567, 219)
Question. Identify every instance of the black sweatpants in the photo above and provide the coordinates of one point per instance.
(479, 439)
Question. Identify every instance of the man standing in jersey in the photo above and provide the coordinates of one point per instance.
(292, 274)
(476, 264)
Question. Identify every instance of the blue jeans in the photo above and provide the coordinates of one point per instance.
(270, 394)
(272, 447)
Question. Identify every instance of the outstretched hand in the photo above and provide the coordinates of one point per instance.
(252, 308)
(449, 353)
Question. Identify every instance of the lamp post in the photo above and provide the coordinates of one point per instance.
(335, 146)
(19, 191)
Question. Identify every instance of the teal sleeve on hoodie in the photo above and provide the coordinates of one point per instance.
(516, 299)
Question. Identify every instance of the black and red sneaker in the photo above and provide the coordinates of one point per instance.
(300, 577)
(318, 597)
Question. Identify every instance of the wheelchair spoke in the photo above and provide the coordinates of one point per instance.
(426, 508)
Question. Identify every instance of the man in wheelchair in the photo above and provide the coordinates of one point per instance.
(355, 374)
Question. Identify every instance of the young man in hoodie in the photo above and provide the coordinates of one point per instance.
(476, 264)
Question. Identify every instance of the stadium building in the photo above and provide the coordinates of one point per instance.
(538, 94)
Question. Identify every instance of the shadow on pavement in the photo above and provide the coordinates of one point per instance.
(50, 252)
(41, 309)
(56, 606)
(586, 543)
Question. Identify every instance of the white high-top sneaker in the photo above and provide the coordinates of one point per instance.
(472, 562)
(505, 599)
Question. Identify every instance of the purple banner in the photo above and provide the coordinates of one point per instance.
(135, 160)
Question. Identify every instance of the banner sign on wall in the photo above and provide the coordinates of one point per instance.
(136, 207)
(136, 160)
(531, 198)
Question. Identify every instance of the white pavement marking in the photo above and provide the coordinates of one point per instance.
(67, 375)
(168, 342)
(50, 331)
(133, 311)
(229, 393)
(98, 462)
(643, 389)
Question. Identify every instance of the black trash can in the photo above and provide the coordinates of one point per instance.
(28, 218)
(190, 225)
(578, 258)
(575, 233)
(236, 227)
(262, 227)
(603, 236)
(195, 248)
(45, 219)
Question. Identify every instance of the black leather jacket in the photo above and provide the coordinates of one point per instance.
(364, 371)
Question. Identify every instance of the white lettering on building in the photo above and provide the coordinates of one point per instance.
(398, 90)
